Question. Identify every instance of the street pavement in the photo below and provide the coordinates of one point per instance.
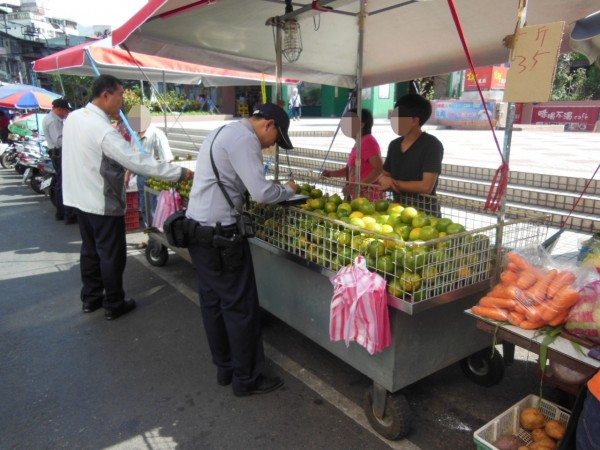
(145, 381)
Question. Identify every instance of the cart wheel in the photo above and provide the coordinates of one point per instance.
(484, 368)
(395, 422)
(156, 254)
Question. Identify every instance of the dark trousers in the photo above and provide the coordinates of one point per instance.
(62, 211)
(103, 257)
(231, 316)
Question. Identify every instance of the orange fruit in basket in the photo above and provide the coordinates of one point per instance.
(455, 228)
(428, 232)
(395, 208)
(367, 208)
(415, 235)
(420, 220)
(442, 224)
(357, 202)
(408, 214)
(382, 205)
(331, 207)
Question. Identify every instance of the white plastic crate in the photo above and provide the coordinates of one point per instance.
(508, 422)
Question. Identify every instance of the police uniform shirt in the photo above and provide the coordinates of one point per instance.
(238, 159)
(53, 130)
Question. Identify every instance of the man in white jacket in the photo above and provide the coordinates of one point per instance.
(95, 157)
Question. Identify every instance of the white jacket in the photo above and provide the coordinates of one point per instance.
(94, 158)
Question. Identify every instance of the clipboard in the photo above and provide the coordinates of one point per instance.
(296, 199)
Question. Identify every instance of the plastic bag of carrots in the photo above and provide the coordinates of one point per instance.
(530, 294)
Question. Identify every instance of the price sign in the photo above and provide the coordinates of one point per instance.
(533, 63)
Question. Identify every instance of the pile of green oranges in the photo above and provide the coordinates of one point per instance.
(418, 254)
(183, 187)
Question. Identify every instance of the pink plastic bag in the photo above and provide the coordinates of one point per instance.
(168, 203)
(359, 310)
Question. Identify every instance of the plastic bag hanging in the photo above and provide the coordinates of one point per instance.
(168, 203)
(359, 310)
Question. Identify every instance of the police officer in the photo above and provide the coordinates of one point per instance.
(53, 132)
(228, 294)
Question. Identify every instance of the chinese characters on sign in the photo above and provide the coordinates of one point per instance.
(493, 77)
(575, 118)
(533, 63)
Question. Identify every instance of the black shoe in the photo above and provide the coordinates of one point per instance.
(89, 307)
(59, 218)
(71, 221)
(264, 386)
(224, 380)
(124, 308)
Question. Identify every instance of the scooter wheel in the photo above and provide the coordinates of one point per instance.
(36, 185)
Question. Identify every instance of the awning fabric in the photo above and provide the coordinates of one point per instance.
(138, 66)
(403, 39)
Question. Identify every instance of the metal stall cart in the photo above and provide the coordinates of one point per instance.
(296, 251)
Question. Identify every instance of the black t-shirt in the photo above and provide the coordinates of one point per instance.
(424, 155)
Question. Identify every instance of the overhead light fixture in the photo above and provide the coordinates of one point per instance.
(292, 40)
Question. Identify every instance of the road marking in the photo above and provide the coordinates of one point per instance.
(334, 397)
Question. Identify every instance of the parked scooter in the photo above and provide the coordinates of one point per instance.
(42, 177)
(8, 158)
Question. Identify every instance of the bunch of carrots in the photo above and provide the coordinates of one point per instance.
(528, 296)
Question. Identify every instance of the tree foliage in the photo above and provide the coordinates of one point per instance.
(575, 83)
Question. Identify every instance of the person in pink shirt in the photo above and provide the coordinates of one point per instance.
(371, 163)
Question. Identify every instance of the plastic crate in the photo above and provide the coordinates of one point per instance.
(132, 219)
(508, 422)
(132, 200)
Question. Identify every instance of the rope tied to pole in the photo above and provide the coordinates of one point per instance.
(500, 180)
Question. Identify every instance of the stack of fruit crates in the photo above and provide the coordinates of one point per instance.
(132, 213)
(419, 267)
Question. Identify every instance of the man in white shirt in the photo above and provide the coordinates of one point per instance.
(95, 157)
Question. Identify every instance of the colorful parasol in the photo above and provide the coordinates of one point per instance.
(25, 96)
(26, 125)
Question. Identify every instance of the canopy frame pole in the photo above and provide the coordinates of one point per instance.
(278, 76)
(359, 83)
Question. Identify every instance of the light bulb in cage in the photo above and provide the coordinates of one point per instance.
(292, 40)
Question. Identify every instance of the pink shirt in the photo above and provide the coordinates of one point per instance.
(369, 147)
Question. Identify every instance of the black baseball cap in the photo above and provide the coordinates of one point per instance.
(62, 103)
(271, 111)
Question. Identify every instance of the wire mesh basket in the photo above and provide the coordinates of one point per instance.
(423, 256)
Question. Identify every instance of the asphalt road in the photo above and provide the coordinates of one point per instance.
(145, 381)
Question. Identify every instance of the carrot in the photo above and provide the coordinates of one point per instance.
(497, 302)
(539, 290)
(561, 280)
(512, 267)
(514, 292)
(515, 318)
(498, 291)
(559, 320)
(565, 298)
(549, 311)
(520, 309)
(518, 260)
(526, 279)
(533, 314)
(491, 313)
(529, 325)
(509, 277)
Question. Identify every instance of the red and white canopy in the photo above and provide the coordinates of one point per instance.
(403, 39)
(139, 66)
